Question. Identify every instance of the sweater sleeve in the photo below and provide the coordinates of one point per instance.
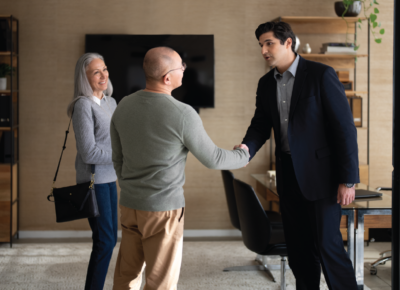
(116, 150)
(203, 148)
(82, 121)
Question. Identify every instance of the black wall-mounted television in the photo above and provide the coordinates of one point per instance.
(123, 55)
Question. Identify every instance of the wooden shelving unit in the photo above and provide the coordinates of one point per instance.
(332, 56)
(333, 26)
(316, 19)
(325, 25)
(9, 161)
(352, 93)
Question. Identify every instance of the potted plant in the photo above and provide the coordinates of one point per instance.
(5, 70)
(371, 15)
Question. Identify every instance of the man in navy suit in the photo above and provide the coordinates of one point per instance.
(316, 156)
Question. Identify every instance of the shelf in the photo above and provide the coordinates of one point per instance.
(351, 93)
(7, 53)
(5, 183)
(332, 56)
(325, 25)
(8, 16)
(314, 19)
(8, 92)
(5, 167)
(9, 128)
(337, 61)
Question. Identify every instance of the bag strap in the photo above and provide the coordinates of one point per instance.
(92, 166)
(63, 148)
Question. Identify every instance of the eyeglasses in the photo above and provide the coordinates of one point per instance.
(183, 68)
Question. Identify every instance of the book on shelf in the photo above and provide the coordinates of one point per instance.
(338, 44)
(343, 52)
(338, 48)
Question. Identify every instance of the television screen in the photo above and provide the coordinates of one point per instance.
(123, 55)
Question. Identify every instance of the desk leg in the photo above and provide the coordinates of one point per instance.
(359, 266)
(350, 235)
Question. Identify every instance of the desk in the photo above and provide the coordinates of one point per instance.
(360, 214)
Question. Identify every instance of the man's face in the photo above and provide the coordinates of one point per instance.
(177, 74)
(272, 49)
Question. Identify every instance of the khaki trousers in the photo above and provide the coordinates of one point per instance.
(153, 239)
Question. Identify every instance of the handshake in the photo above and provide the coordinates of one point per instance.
(242, 146)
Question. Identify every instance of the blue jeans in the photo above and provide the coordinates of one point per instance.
(105, 232)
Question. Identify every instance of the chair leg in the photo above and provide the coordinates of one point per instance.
(268, 268)
(385, 253)
(385, 256)
(283, 273)
(380, 261)
(265, 267)
(264, 261)
(247, 268)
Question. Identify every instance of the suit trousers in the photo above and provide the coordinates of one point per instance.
(153, 240)
(313, 238)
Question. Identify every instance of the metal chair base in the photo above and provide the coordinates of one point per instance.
(265, 267)
(385, 256)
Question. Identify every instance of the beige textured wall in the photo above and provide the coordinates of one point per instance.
(52, 38)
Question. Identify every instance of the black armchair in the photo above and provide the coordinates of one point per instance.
(227, 178)
(262, 231)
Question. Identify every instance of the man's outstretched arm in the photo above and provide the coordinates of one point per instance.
(196, 139)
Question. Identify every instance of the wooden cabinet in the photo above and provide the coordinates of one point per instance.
(319, 30)
(9, 131)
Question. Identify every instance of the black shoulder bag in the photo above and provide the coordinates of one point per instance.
(77, 201)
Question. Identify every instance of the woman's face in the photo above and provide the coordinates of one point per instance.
(97, 75)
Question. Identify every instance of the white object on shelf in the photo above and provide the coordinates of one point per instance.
(307, 48)
(3, 84)
(271, 174)
(296, 47)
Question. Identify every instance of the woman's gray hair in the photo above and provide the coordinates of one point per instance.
(82, 87)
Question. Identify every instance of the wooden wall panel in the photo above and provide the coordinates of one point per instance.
(52, 39)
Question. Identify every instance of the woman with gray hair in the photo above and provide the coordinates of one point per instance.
(91, 109)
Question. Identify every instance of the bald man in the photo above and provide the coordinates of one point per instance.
(151, 135)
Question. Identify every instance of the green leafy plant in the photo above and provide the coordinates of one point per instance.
(371, 15)
(5, 70)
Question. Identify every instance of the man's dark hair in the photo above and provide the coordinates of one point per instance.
(281, 30)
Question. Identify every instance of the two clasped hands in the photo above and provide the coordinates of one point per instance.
(345, 195)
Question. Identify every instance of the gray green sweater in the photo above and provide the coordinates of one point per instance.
(151, 135)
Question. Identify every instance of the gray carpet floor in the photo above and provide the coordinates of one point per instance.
(63, 266)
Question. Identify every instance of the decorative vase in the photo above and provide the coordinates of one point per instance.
(3, 84)
(307, 48)
(296, 47)
(354, 9)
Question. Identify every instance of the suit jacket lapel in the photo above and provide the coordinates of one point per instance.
(301, 74)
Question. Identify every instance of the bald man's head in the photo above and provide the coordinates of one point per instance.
(157, 61)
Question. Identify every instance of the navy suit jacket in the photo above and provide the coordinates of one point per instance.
(321, 132)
